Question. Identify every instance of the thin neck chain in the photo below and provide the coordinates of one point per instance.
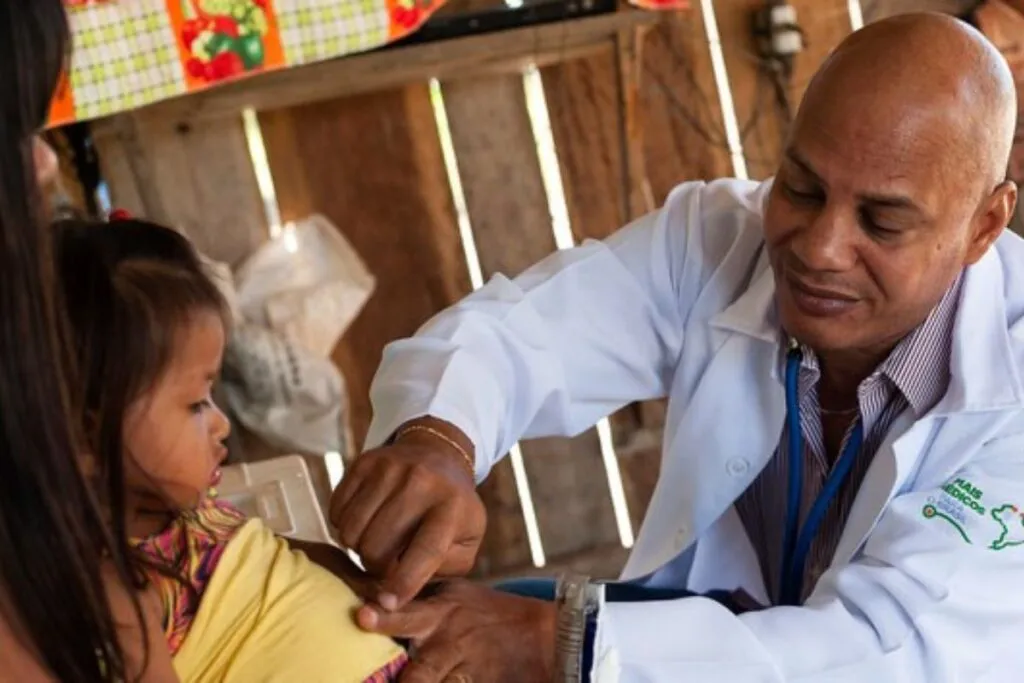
(837, 413)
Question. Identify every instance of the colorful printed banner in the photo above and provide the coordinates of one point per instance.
(130, 53)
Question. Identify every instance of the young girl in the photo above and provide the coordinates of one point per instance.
(229, 600)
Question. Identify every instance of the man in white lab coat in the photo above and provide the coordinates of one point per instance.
(842, 350)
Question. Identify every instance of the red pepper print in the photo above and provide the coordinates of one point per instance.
(225, 25)
(225, 44)
(227, 64)
(407, 15)
(194, 68)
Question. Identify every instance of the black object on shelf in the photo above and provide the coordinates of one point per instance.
(501, 17)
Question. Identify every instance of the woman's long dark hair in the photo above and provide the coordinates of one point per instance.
(54, 541)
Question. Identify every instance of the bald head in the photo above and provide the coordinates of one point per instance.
(924, 74)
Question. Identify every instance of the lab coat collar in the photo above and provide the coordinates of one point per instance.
(983, 369)
(753, 313)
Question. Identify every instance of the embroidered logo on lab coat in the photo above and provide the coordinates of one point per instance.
(1011, 522)
(960, 501)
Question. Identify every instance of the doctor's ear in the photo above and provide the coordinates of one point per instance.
(991, 219)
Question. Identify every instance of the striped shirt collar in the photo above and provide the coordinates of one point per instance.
(919, 364)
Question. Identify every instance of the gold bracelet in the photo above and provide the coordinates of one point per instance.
(469, 460)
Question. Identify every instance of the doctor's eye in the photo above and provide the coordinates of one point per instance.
(803, 195)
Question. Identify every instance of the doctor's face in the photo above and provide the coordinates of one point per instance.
(871, 217)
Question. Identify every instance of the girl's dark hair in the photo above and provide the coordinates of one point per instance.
(55, 546)
(129, 287)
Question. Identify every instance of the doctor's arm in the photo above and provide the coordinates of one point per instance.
(569, 341)
(933, 596)
(550, 352)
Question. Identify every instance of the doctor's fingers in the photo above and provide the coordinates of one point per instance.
(417, 622)
(453, 528)
(369, 469)
(352, 516)
(434, 662)
(429, 549)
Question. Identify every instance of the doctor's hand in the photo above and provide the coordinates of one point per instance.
(410, 510)
(469, 632)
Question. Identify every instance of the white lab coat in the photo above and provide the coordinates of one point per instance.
(679, 304)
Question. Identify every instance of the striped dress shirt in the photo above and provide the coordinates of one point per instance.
(913, 377)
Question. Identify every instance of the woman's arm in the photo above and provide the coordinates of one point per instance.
(150, 658)
(17, 661)
(147, 656)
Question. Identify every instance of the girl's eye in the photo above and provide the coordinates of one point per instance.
(199, 407)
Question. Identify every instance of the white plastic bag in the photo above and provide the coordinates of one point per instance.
(308, 285)
(288, 396)
(292, 301)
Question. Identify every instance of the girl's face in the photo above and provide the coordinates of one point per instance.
(174, 434)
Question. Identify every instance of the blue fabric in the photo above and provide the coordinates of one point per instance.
(541, 589)
(544, 589)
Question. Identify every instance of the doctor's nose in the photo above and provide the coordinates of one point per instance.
(827, 244)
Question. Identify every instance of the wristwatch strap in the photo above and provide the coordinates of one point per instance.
(578, 601)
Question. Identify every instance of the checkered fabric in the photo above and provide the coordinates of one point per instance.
(124, 57)
(312, 30)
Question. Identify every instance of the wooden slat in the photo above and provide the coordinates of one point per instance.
(682, 121)
(498, 52)
(762, 128)
(194, 176)
(508, 210)
(583, 98)
(762, 121)
(629, 53)
(826, 23)
(879, 9)
(372, 164)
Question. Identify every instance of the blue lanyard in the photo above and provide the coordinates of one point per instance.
(796, 541)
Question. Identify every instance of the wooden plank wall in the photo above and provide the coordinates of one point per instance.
(630, 120)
